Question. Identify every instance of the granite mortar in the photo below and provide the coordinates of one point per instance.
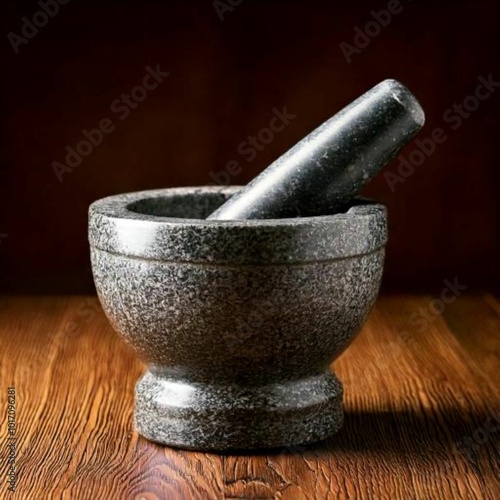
(182, 291)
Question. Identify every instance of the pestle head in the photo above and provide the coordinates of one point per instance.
(323, 171)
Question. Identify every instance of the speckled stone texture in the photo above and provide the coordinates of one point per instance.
(238, 320)
(326, 169)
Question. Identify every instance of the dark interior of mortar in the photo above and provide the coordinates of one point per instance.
(187, 206)
(196, 205)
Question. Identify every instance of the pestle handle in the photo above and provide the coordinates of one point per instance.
(323, 171)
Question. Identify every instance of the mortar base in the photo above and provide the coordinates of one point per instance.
(204, 417)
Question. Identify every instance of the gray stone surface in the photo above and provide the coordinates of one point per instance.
(238, 320)
(321, 173)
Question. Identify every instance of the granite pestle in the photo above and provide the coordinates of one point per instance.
(326, 169)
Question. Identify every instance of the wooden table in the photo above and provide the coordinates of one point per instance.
(421, 396)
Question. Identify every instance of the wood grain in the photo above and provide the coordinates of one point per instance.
(421, 409)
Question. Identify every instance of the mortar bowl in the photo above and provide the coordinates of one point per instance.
(238, 321)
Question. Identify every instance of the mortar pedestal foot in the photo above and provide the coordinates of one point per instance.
(198, 416)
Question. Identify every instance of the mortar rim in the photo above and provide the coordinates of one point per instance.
(117, 207)
(116, 230)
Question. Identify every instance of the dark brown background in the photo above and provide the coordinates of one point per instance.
(225, 79)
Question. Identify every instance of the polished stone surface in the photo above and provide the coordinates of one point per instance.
(326, 169)
(238, 320)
